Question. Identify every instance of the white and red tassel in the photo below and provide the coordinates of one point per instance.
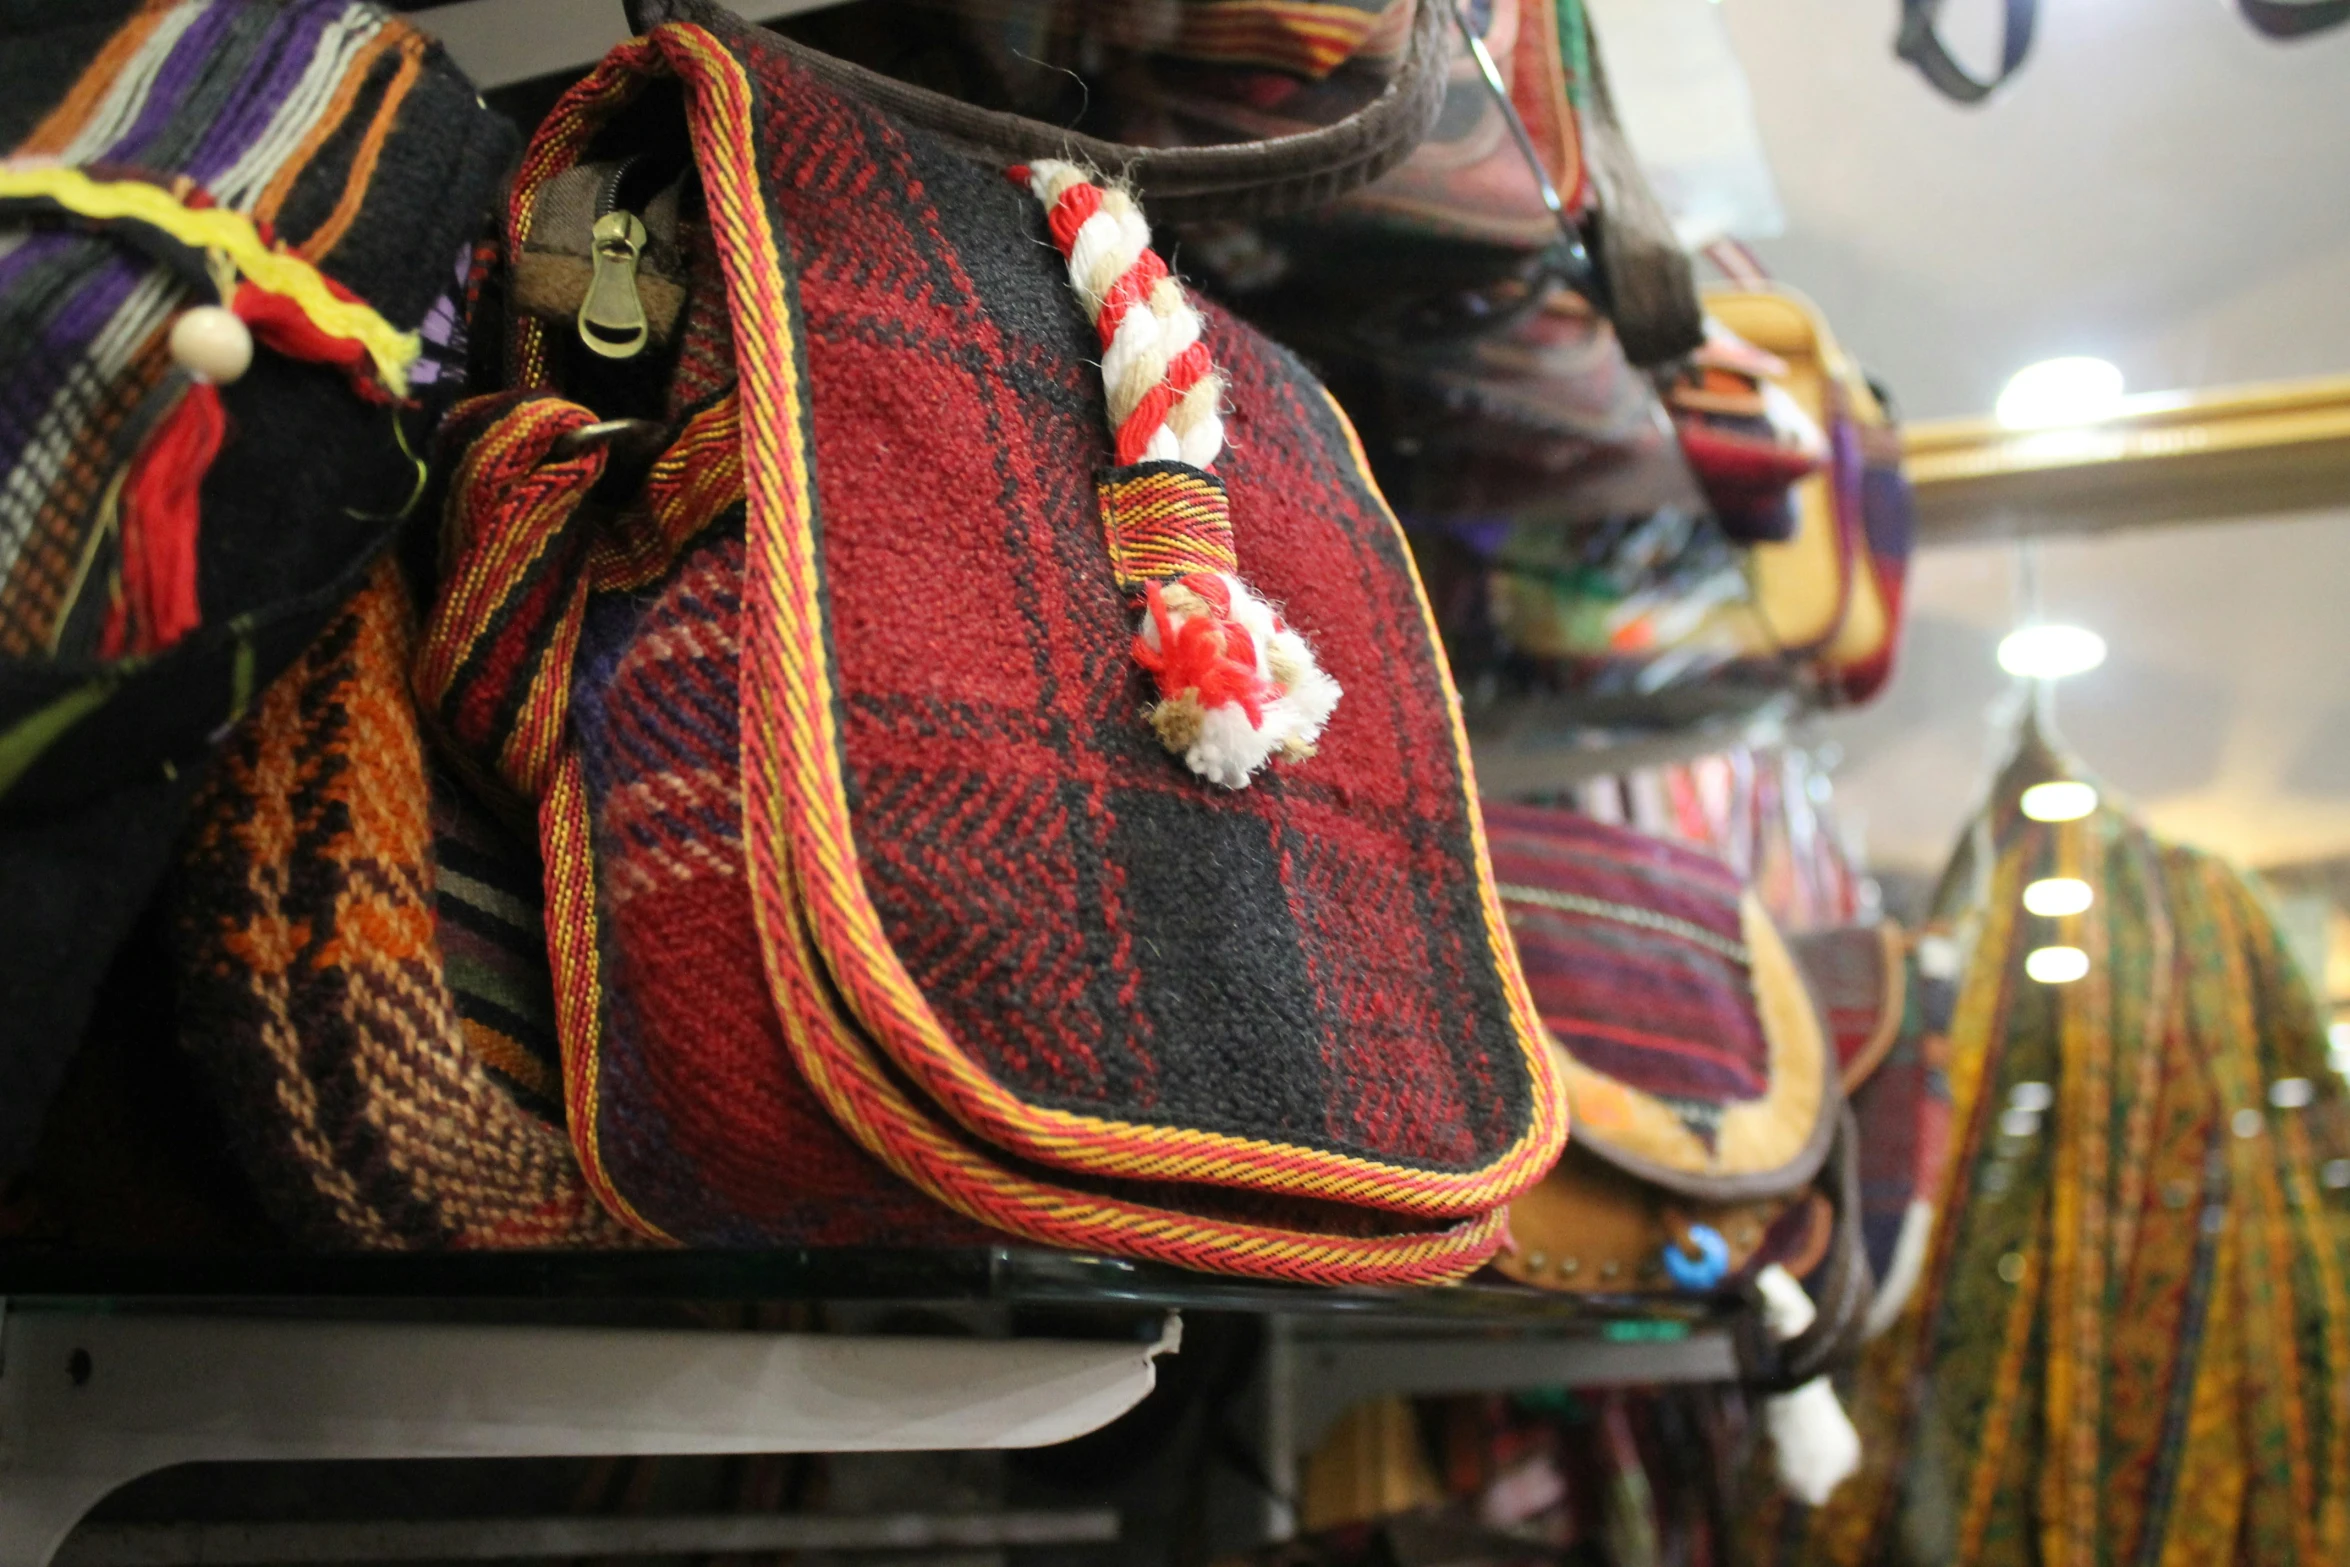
(1813, 1440)
(1237, 685)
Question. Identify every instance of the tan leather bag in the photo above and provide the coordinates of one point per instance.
(1711, 1135)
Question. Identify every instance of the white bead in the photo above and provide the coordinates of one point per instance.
(211, 343)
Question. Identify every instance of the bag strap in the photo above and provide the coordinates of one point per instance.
(1843, 1303)
(1255, 179)
(2294, 18)
(1920, 43)
(1647, 283)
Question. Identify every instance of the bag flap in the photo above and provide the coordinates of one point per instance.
(1693, 1055)
(1074, 947)
(1859, 977)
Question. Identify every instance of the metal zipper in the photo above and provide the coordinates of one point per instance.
(612, 316)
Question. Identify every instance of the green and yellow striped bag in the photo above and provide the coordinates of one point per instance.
(2132, 1345)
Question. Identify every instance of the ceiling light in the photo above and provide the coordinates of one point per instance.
(2059, 391)
(2057, 896)
(2292, 1093)
(2050, 652)
(2064, 801)
(2057, 965)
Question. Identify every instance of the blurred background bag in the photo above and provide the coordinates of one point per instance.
(1711, 1136)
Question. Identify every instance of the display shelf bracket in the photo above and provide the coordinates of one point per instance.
(90, 1400)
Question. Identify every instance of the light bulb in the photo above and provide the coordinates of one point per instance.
(2056, 965)
(2050, 652)
(2056, 896)
(2053, 392)
(2063, 801)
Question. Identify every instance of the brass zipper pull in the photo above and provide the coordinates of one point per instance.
(612, 318)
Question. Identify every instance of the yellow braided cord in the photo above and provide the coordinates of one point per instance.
(230, 234)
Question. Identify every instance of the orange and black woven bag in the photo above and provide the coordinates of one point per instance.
(972, 698)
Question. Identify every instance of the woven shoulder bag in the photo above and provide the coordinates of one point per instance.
(984, 730)
(1711, 1138)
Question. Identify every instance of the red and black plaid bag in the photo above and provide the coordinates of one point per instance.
(916, 749)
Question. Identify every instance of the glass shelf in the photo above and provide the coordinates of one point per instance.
(1005, 1276)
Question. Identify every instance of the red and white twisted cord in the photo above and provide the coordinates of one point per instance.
(1237, 685)
(1163, 388)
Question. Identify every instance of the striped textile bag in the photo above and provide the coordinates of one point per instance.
(2132, 1339)
(1886, 998)
(361, 971)
(937, 817)
(237, 243)
(1710, 1134)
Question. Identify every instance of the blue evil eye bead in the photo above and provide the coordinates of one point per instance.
(1705, 1262)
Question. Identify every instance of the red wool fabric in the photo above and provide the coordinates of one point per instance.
(1640, 1003)
(893, 697)
(1303, 961)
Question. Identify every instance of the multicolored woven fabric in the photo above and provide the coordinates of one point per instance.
(282, 112)
(490, 909)
(339, 145)
(315, 991)
(1858, 976)
(1695, 1057)
(2132, 1339)
(1034, 966)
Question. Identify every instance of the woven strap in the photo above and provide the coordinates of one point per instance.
(1920, 43)
(1240, 180)
(494, 668)
(1648, 284)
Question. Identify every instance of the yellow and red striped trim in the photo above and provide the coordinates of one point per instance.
(574, 954)
(1306, 39)
(1165, 520)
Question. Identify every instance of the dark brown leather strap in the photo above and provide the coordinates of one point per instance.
(1920, 43)
(2294, 18)
(1846, 1287)
(1648, 286)
(1241, 180)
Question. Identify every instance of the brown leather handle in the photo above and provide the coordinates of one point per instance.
(1649, 284)
(1241, 180)
(2294, 18)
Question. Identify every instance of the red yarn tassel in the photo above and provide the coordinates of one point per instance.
(1208, 657)
(159, 514)
(278, 323)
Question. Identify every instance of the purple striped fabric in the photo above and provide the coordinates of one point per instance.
(267, 79)
(1635, 949)
(183, 71)
(212, 103)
